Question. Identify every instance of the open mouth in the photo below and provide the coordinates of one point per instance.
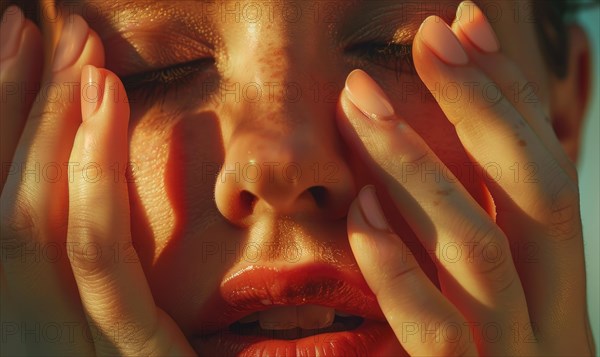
(295, 322)
(313, 310)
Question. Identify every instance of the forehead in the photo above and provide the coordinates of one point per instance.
(513, 20)
(251, 11)
(290, 12)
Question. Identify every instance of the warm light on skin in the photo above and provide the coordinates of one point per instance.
(170, 198)
(214, 189)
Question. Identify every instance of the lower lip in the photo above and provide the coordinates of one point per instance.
(372, 338)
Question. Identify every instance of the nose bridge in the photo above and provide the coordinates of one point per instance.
(275, 64)
(283, 152)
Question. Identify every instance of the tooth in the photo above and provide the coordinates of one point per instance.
(314, 316)
(248, 319)
(278, 318)
(342, 314)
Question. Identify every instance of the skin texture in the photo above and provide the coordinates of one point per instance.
(180, 227)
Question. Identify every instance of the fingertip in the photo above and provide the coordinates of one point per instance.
(116, 94)
(103, 94)
(474, 24)
(11, 29)
(371, 238)
(105, 117)
(93, 52)
(92, 91)
(69, 57)
(368, 96)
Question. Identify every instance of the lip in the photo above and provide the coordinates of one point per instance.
(256, 288)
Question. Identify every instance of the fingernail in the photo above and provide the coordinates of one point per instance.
(441, 40)
(474, 24)
(371, 209)
(72, 40)
(92, 91)
(367, 96)
(10, 31)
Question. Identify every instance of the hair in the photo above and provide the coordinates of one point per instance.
(552, 18)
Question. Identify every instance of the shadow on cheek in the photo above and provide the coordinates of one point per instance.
(195, 155)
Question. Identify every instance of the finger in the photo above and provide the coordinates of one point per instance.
(424, 321)
(538, 212)
(20, 71)
(483, 127)
(113, 287)
(475, 266)
(45, 144)
(479, 41)
(34, 200)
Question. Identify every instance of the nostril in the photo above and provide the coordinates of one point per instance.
(248, 200)
(320, 195)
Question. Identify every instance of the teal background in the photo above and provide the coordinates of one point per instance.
(589, 176)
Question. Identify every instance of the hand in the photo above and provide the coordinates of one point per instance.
(67, 257)
(489, 303)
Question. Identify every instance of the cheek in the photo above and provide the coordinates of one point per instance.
(172, 206)
(152, 213)
(174, 165)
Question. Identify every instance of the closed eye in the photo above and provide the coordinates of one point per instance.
(153, 84)
(394, 56)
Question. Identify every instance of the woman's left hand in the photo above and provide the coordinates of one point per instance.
(490, 303)
(69, 271)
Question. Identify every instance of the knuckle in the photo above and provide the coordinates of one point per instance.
(40, 117)
(407, 166)
(459, 346)
(396, 273)
(490, 255)
(417, 159)
(18, 218)
(500, 106)
(397, 269)
(152, 340)
(564, 217)
(451, 336)
(86, 253)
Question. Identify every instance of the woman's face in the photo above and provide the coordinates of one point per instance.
(240, 180)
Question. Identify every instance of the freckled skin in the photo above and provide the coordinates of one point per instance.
(184, 242)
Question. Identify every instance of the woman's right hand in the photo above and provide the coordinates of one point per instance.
(490, 301)
(72, 283)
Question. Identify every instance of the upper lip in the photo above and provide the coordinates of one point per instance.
(255, 288)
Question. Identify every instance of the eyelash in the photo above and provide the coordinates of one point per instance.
(394, 56)
(152, 85)
(155, 84)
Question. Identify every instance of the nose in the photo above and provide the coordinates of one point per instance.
(283, 153)
(291, 173)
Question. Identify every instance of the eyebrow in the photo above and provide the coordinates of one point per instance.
(110, 15)
(193, 22)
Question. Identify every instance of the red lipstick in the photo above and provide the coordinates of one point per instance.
(359, 327)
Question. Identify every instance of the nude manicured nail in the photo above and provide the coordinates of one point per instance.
(367, 96)
(441, 40)
(477, 28)
(92, 90)
(74, 35)
(371, 209)
(10, 32)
